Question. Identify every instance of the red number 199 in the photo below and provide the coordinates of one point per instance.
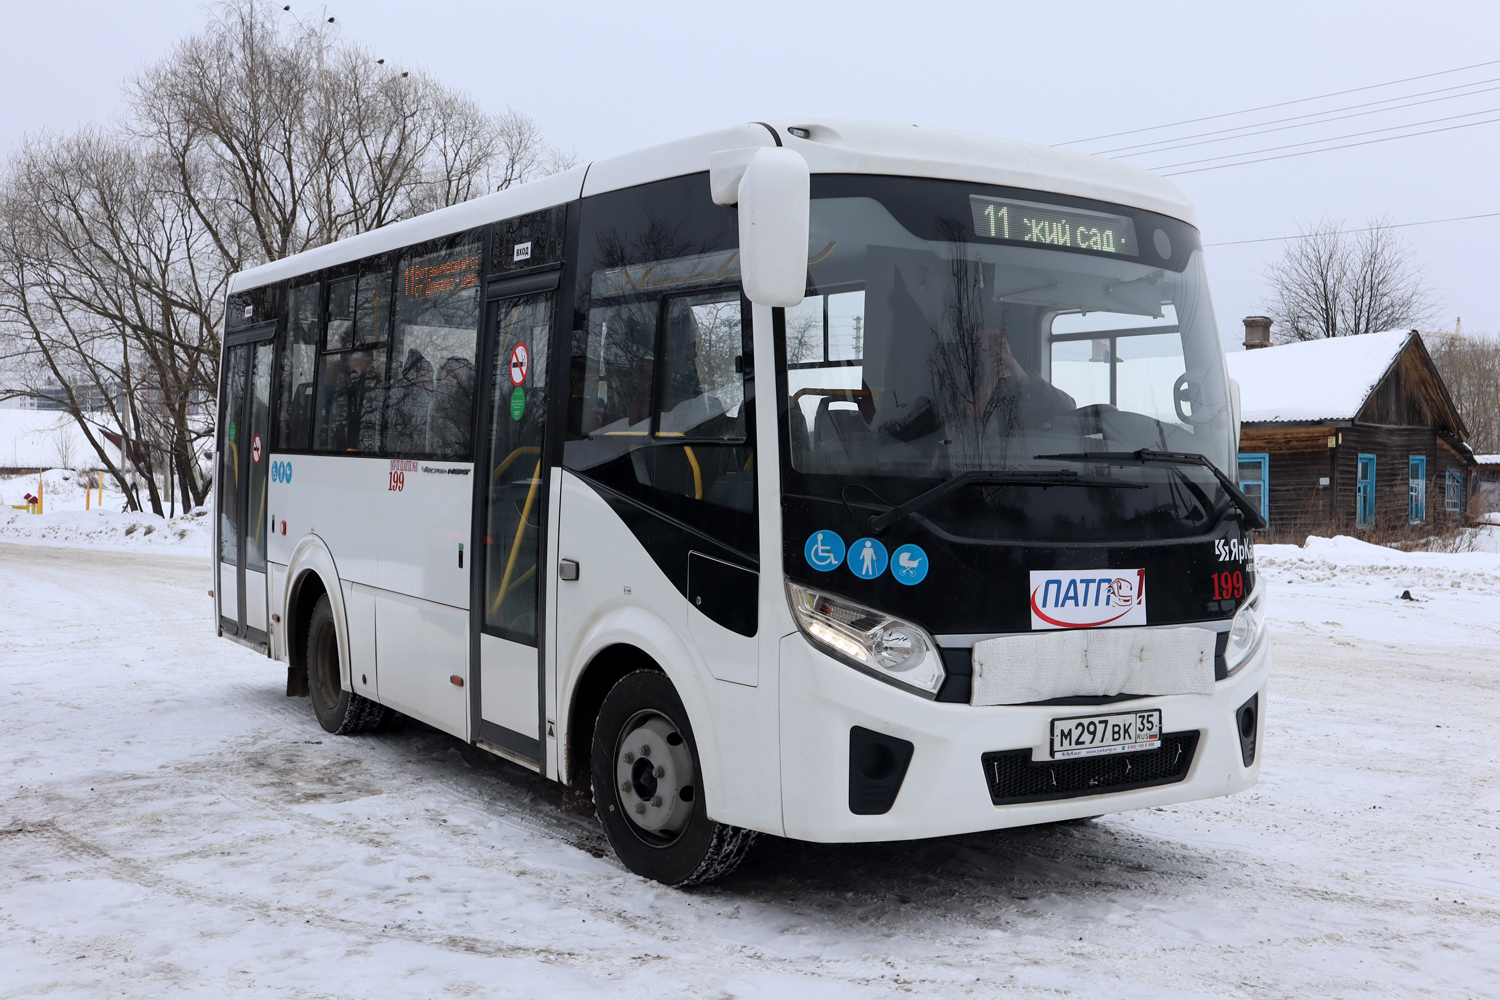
(1229, 585)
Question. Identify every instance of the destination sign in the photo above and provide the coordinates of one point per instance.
(1051, 225)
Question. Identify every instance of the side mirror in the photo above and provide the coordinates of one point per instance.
(1234, 407)
(772, 187)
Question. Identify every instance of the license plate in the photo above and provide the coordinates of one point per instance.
(1090, 735)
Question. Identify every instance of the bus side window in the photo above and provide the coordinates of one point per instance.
(430, 406)
(351, 377)
(298, 364)
(659, 405)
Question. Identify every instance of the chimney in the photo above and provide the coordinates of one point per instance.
(1257, 332)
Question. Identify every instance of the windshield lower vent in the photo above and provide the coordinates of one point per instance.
(1014, 777)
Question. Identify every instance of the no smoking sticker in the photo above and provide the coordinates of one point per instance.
(255, 450)
(520, 362)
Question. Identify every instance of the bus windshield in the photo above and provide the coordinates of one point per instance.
(954, 329)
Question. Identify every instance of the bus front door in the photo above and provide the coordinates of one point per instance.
(240, 483)
(511, 538)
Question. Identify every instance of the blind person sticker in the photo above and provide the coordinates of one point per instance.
(1089, 598)
(867, 558)
(824, 550)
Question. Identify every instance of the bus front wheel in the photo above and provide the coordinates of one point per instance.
(647, 787)
(340, 712)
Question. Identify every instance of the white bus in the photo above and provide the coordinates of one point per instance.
(833, 480)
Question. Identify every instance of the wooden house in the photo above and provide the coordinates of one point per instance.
(1350, 433)
(1486, 498)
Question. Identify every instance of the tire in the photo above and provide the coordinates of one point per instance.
(657, 822)
(340, 712)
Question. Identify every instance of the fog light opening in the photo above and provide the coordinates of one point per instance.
(1247, 722)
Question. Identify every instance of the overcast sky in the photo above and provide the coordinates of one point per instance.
(603, 78)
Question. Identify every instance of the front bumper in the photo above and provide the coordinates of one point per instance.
(945, 791)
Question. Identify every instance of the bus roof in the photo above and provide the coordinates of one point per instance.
(832, 146)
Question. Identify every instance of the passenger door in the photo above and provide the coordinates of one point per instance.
(240, 486)
(511, 533)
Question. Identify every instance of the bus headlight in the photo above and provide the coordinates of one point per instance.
(1247, 631)
(888, 648)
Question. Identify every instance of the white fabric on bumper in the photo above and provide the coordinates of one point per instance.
(1015, 669)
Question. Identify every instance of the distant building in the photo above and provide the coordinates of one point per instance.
(1487, 483)
(1349, 433)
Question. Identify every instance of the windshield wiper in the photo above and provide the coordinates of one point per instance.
(1141, 456)
(1060, 477)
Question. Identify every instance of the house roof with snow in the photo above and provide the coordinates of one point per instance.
(1341, 380)
(1487, 460)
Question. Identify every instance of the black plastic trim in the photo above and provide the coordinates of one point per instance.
(543, 279)
(253, 335)
(519, 743)
(877, 767)
(724, 592)
(1044, 780)
(774, 134)
(1247, 743)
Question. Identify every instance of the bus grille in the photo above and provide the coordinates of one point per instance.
(1014, 777)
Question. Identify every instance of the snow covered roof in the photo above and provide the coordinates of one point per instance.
(832, 146)
(1316, 379)
(1487, 459)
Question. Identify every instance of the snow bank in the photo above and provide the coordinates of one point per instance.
(1350, 560)
(190, 534)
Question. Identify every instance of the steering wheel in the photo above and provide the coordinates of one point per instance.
(1185, 390)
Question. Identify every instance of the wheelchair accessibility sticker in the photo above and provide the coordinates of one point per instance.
(824, 550)
(909, 564)
(867, 558)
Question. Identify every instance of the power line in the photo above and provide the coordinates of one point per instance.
(1167, 145)
(1282, 104)
(1329, 149)
(1348, 232)
(1336, 138)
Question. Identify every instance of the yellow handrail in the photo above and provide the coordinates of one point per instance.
(697, 472)
(515, 546)
(525, 450)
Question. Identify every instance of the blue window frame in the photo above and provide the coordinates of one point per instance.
(1416, 488)
(1453, 493)
(1364, 491)
(1254, 476)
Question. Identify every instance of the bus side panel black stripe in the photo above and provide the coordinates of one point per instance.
(527, 746)
(666, 540)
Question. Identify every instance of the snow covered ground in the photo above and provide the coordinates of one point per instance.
(171, 825)
(69, 518)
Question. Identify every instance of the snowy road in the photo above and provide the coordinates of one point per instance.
(171, 825)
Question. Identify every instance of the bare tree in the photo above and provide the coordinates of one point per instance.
(257, 138)
(109, 291)
(1333, 283)
(1470, 366)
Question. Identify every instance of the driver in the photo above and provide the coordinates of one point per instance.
(1005, 385)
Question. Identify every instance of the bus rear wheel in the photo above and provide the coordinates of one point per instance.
(340, 712)
(647, 788)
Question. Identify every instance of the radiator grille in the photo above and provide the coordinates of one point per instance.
(1014, 777)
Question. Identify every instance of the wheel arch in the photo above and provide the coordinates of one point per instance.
(311, 574)
(621, 640)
